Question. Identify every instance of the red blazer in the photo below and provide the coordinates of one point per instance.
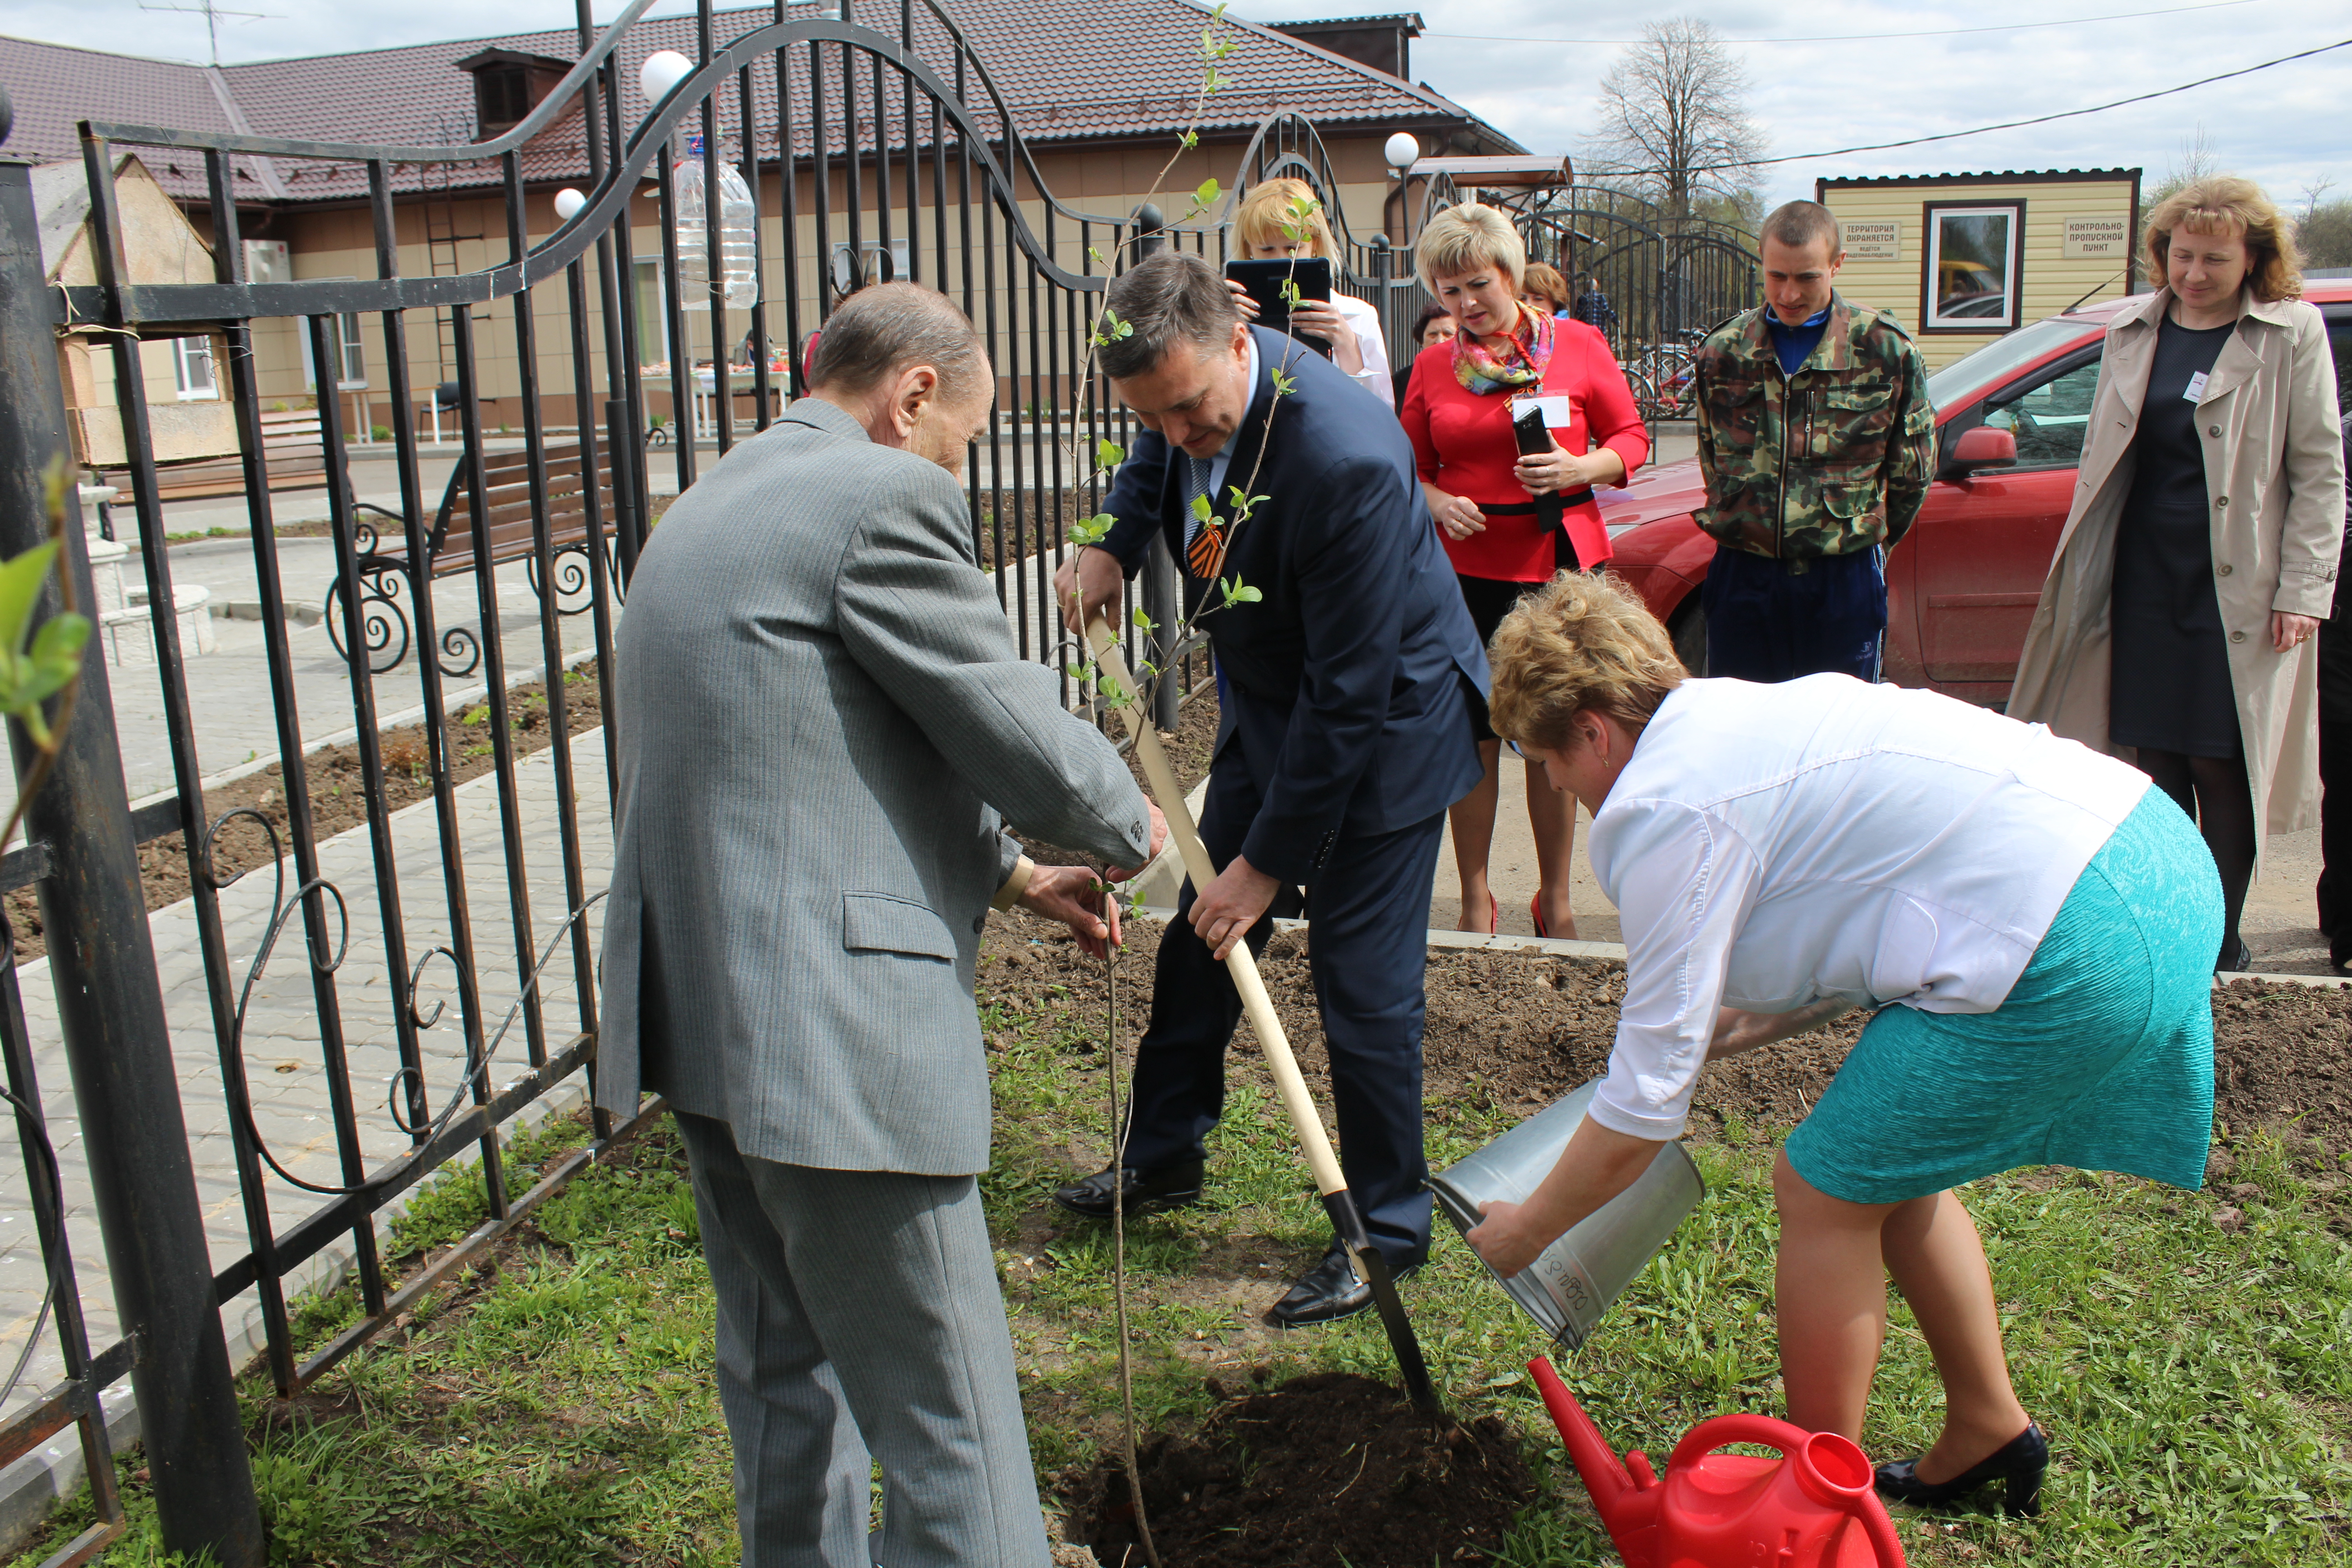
(1462, 442)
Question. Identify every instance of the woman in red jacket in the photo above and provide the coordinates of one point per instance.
(1509, 521)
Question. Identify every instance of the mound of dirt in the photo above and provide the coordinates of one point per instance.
(1328, 1469)
(2282, 1060)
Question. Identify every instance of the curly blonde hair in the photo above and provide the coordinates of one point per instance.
(1581, 643)
(1464, 237)
(1264, 218)
(2228, 205)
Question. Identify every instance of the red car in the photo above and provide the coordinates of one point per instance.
(1961, 586)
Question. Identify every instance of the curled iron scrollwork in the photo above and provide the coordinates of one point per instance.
(406, 1084)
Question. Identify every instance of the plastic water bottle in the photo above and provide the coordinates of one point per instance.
(738, 240)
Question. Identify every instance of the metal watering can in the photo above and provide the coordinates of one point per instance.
(1814, 1507)
(1572, 1282)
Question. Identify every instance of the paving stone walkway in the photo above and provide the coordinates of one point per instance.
(281, 1047)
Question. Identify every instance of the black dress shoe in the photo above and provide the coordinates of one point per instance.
(2236, 959)
(1324, 1294)
(2018, 1464)
(1147, 1192)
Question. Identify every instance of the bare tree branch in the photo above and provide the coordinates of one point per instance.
(1674, 118)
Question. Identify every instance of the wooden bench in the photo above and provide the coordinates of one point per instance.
(289, 447)
(385, 569)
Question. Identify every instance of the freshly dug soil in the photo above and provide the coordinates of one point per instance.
(1328, 1469)
(1513, 1032)
(337, 800)
(2282, 1060)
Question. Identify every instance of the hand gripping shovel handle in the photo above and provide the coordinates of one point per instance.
(1338, 1201)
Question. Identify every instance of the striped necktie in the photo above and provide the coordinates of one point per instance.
(1204, 546)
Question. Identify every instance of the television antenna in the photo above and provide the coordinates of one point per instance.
(212, 15)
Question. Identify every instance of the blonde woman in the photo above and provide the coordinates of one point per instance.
(2201, 554)
(1261, 228)
(1510, 521)
(1775, 852)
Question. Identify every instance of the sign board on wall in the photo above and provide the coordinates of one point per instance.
(1874, 241)
(2088, 239)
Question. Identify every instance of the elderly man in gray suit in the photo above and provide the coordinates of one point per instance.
(822, 714)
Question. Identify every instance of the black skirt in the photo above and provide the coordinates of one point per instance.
(2171, 685)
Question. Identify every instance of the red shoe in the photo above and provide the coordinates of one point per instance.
(1535, 911)
(1494, 915)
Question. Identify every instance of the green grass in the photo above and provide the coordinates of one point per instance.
(557, 1408)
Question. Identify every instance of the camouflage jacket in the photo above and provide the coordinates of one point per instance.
(1831, 460)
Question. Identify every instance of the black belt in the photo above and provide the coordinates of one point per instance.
(1548, 511)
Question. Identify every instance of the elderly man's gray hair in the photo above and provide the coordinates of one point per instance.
(889, 327)
(1171, 298)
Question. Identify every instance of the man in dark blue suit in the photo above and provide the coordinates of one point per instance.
(1349, 686)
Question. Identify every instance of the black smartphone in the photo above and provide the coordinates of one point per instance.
(1528, 427)
(1262, 281)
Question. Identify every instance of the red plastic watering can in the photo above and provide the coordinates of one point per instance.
(1812, 1508)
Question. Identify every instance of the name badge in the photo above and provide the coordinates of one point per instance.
(2196, 387)
(1559, 410)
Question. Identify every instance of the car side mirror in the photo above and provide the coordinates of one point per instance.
(1985, 446)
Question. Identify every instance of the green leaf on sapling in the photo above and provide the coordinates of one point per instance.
(56, 654)
(1092, 530)
(1189, 140)
(1200, 508)
(1239, 593)
(1109, 453)
(1283, 384)
(1206, 191)
(20, 586)
(1141, 620)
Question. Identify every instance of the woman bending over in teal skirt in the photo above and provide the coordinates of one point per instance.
(2035, 924)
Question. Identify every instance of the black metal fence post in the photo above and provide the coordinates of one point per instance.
(110, 1000)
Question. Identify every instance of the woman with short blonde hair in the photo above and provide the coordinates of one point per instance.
(1282, 219)
(2030, 921)
(2200, 553)
(1510, 518)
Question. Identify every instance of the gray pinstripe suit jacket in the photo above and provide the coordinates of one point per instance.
(821, 714)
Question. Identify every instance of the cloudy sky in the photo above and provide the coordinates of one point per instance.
(1819, 80)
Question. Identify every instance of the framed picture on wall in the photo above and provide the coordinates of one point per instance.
(1974, 254)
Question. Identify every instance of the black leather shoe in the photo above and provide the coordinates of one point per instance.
(1148, 1191)
(1324, 1294)
(2018, 1464)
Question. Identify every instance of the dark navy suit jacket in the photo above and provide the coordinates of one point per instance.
(1349, 682)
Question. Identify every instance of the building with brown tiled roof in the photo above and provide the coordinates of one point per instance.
(1098, 89)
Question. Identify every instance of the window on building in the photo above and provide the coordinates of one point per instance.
(501, 98)
(344, 347)
(1972, 264)
(192, 369)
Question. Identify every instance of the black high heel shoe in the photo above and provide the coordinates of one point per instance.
(2018, 1464)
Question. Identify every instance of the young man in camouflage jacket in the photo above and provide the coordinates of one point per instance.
(1817, 440)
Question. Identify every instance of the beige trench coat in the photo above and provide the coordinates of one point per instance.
(2274, 474)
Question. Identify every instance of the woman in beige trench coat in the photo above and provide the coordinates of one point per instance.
(2263, 422)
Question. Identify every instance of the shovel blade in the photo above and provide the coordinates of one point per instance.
(1373, 1270)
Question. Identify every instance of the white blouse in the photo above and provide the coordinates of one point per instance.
(1770, 845)
(1376, 377)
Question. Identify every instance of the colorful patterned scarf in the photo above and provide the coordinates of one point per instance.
(1521, 364)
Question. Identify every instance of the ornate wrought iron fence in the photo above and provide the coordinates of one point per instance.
(849, 132)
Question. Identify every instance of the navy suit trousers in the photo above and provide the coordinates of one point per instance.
(1368, 947)
(1765, 623)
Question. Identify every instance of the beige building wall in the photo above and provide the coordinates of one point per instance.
(1107, 183)
(2078, 237)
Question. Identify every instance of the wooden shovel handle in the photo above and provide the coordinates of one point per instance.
(1271, 1039)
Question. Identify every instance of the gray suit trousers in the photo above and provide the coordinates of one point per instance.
(859, 1322)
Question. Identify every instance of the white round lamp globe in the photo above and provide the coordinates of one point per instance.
(1401, 150)
(568, 202)
(663, 69)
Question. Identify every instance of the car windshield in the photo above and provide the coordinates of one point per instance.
(1963, 378)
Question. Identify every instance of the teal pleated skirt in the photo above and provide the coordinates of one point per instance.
(2101, 1058)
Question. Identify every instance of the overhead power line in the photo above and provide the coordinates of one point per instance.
(1864, 37)
(2004, 125)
